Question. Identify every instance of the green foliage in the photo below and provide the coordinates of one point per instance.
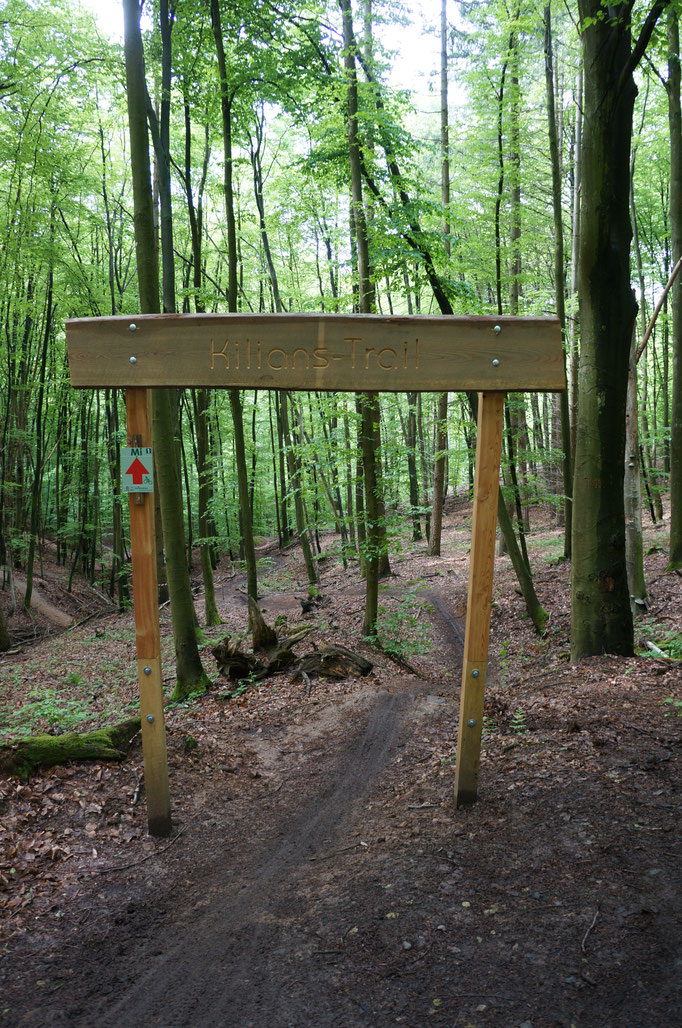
(518, 722)
(669, 642)
(63, 144)
(273, 578)
(47, 706)
(672, 645)
(489, 727)
(674, 707)
(402, 628)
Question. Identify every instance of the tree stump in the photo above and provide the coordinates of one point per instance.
(264, 637)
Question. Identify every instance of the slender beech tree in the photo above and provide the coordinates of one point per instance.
(442, 410)
(226, 103)
(675, 125)
(559, 276)
(190, 675)
(601, 619)
(201, 397)
(406, 217)
(368, 402)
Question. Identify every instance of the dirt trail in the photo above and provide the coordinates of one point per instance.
(334, 884)
(225, 964)
(230, 952)
(56, 615)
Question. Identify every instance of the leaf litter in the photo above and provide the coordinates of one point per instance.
(561, 887)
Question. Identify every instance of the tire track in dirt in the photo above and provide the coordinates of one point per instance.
(225, 965)
(239, 933)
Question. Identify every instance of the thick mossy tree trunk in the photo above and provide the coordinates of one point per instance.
(190, 675)
(675, 122)
(601, 619)
(23, 757)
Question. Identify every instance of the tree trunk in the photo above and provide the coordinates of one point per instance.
(439, 475)
(366, 302)
(189, 670)
(5, 641)
(675, 122)
(601, 619)
(411, 443)
(201, 396)
(444, 127)
(515, 166)
(424, 464)
(235, 400)
(573, 334)
(634, 554)
(417, 242)
(205, 472)
(36, 489)
(442, 423)
(559, 280)
(296, 484)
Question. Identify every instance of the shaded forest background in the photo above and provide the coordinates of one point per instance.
(288, 173)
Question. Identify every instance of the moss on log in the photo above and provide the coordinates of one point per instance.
(27, 755)
(335, 662)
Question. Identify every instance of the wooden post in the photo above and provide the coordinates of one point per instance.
(147, 631)
(327, 352)
(481, 567)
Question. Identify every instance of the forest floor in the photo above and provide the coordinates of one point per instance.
(318, 872)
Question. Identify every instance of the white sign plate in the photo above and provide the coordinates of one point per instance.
(137, 469)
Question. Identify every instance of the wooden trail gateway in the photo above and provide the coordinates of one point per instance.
(333, 352)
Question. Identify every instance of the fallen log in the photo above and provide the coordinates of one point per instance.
(23, 757)
(334, 662)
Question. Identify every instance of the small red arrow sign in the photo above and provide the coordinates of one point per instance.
(137, 470)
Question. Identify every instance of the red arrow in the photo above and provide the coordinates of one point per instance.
(137, 470)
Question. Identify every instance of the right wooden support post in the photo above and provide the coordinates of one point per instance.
(481, 567)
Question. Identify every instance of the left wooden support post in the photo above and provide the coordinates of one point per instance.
(147, 630)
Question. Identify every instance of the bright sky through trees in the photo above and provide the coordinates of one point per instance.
(417, 46)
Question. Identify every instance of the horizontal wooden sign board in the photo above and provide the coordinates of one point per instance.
(317, 351)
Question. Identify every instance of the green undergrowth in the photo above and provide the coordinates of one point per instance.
(49, 709)
(56, 690)
(669, 641)
(403, 626)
